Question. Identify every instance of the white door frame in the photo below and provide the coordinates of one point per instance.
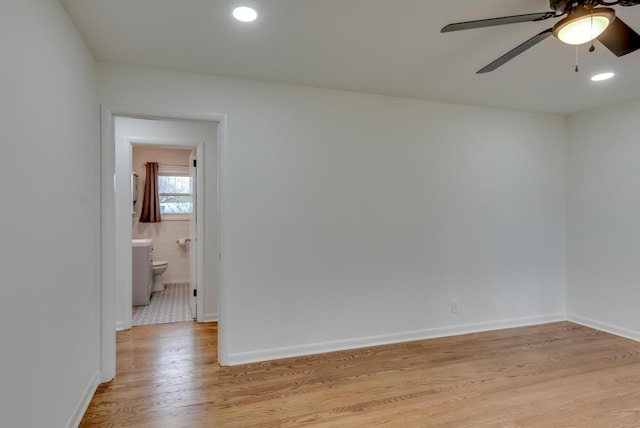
(195, 234)
(108, 227)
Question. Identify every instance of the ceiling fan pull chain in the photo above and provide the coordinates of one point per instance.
(577, 69)
(592, 47)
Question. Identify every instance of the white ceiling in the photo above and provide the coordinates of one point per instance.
(391, 47)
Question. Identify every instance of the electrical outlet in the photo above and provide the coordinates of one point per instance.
(454, 306)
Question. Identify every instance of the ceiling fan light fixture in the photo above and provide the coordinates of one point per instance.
(583, 25)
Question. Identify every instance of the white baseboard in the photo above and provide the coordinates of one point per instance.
(603, 326)
(176, 282)
(120, 326)
(210, 318)
(83, 404)
(387, 339)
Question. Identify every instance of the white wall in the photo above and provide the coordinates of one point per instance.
(50, 228)
(350, 219)
(165, 233)
(603, 179)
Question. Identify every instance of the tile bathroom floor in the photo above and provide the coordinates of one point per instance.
(170, 305)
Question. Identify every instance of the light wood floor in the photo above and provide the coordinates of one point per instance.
(553, 375)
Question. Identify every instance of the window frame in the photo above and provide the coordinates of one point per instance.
(176, 171)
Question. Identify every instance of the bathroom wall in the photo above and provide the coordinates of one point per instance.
(165, 233)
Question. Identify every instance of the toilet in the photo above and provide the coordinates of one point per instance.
(159, 267)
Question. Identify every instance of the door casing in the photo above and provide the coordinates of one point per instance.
(108, 227)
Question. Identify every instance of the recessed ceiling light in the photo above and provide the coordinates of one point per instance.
(245, 14)
(602, 76)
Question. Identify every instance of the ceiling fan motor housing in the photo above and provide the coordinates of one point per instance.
(560, 5)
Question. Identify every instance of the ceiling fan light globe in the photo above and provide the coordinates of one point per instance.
(579, 28)
(583, 30)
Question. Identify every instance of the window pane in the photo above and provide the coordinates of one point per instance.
(174, 184)
(175, 194)
(171, 204)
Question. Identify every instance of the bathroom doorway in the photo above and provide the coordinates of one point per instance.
(170, 298)
(199, 137)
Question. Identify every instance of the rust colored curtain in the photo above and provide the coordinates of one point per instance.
(150, 199)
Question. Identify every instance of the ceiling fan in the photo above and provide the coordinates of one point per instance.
(585, 21)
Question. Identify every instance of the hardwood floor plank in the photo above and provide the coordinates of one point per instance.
(558, 374)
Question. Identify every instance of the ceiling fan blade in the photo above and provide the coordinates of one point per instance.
(619, 38)
(516, 51)
(498, 21)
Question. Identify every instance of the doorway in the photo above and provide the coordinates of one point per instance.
(167, 246)
(116, 216)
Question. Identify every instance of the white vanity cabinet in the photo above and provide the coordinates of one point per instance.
(142, 275)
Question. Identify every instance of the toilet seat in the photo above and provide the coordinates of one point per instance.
(159, 263)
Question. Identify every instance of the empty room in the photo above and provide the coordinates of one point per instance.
(392, 213)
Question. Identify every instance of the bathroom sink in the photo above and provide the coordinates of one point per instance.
(140, 242)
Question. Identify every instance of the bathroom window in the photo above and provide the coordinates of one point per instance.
(175, 190)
